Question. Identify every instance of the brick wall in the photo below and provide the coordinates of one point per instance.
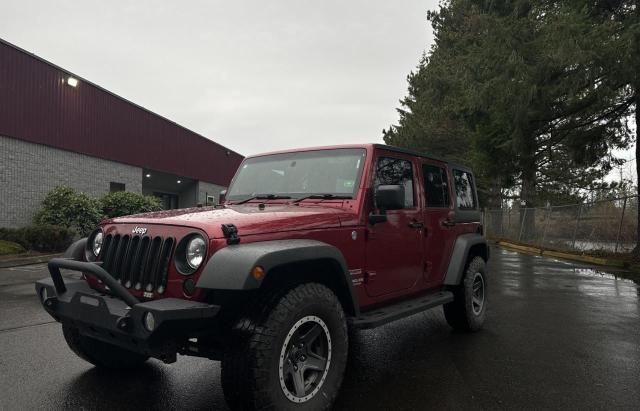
(29, 171)
(188, 196)
(208, 189)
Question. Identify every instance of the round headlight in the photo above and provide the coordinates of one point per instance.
(195, 251)
(96, 245)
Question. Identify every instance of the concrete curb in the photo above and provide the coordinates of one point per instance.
(518, 247)
(565, 256)
(36, 259)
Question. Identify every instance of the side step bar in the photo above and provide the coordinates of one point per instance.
(380, 316)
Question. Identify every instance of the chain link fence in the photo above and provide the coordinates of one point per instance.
(605, 226)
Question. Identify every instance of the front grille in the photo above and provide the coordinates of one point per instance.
(138, 262)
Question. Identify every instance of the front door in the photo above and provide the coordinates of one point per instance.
(394, 247)
(437, 219)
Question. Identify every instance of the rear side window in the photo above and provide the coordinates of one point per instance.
(465, 194)
(435, 186)
(396, 171)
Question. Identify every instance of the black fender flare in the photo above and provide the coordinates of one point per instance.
(460, 255)
(76, 250)
(230, 268)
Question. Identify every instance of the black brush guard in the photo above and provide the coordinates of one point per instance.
(119, 318)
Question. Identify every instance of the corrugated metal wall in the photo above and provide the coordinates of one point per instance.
(37, 105)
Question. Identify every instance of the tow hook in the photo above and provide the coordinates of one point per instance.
(124, 324)
(50, 302)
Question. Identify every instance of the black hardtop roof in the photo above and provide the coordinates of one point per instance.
(419, 154)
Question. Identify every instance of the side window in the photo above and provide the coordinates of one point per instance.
(435, 186)
(396, 171)
(465, 196)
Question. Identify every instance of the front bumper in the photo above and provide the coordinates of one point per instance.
(119, 319)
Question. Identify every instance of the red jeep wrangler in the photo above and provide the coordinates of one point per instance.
(307, 244)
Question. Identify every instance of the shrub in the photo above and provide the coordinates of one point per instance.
(64, 206)
(47, 237)
(15, 235)
(125, 203)
(39, 237)
(9, 247)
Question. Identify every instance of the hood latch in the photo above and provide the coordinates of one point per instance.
(230, 231)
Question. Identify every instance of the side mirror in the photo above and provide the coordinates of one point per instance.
(377, 218)
(387, 197)
(222, 197)
(390, 197)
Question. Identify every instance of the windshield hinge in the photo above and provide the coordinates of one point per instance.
(230, 232)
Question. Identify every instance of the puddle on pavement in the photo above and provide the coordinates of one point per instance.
(524, 271)
(592, 272)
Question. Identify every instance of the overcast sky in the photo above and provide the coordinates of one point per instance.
(252, 75)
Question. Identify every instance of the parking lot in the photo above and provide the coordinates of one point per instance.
(558, 335)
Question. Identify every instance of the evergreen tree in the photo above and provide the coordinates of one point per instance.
(502, 89)
(602, 38)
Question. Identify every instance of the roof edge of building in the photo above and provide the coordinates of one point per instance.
(84, 80)
(50, 146)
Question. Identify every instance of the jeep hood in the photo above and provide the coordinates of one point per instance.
(248, 218)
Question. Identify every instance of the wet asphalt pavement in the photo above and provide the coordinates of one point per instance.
(558, 335)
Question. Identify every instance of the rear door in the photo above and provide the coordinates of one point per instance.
(394, 250)
(438, 215)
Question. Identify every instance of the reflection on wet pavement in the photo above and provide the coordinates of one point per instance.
(558, 335)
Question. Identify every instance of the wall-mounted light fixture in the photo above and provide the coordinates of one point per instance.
(72, 81)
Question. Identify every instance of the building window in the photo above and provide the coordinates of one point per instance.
(114, 187)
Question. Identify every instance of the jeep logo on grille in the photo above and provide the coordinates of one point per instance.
(139, 230)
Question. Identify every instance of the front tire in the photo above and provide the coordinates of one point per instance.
(99, 353)
(290, 353)
(468, 310)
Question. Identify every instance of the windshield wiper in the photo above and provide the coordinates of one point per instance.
(324, 197)
(262, 197)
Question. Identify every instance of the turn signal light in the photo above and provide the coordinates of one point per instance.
(258, 272)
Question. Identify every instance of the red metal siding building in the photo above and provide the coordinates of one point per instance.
(40, 105)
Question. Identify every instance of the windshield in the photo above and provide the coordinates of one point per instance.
(301, 174)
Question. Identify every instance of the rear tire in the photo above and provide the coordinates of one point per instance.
(468, 310)
(100, 353)
(289, 354)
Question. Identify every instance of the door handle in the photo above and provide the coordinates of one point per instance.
(448, 223)
(416, 224)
